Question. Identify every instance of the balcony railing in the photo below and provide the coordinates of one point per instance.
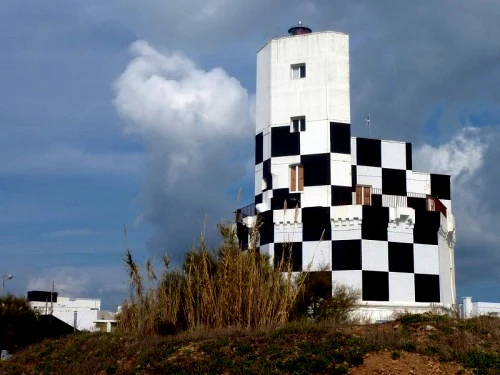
(248, 210)
(374, 197)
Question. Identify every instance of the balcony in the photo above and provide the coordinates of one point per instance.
(368, 196)
(248, 210)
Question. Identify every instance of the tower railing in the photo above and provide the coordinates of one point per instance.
(377, 198)
(248, 210)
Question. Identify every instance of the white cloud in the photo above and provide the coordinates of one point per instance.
(81, 281)
(465, 157)
(198, 126)
(461, 157)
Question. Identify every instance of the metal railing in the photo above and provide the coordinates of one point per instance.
(377, 198)
(347, 198)
(248, 210)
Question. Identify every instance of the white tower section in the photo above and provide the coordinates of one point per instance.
(320, 95)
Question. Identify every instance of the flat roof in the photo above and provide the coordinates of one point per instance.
(302, 35)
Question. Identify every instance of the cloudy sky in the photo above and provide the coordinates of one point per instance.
(141, 113)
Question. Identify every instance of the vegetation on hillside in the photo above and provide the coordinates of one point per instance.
(232, 311)
(412, 344)
(227, 287)
(17, 323)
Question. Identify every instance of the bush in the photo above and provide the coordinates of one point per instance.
(17, 323)
(319, 300)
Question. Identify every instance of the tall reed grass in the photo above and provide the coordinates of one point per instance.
(219, 288)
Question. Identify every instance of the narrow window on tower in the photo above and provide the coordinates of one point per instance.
(298, 71)
(364, 195)
(296, 178)
(298, 124)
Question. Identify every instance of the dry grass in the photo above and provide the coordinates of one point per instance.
(214, 289)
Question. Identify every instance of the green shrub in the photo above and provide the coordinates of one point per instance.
(320, 300)
(481, 361)
(395, 355)
(17, 323)
(409, 347)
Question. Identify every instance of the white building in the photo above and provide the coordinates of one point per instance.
(85, 312)
(350, 207)
(469, 309)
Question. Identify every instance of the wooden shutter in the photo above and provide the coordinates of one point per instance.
(367, 195)
(301, 177)
(293, 178)
(359, 195)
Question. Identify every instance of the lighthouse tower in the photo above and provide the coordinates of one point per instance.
(349, 208)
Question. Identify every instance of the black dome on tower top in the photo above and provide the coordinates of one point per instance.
(299, 29)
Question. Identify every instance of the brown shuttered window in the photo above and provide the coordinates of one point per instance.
(364, 195)
(359, 195)
(301, 177)
(367, 195)
(296, 178)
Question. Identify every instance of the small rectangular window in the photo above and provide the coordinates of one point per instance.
(364, 195)
(298, 124)
(298, 71)
(296, 178)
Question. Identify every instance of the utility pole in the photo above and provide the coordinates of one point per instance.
(52, 299)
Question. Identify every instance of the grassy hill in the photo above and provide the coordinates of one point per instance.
(182, 321)
(413, 344)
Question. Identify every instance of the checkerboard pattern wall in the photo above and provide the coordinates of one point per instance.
(388, 247)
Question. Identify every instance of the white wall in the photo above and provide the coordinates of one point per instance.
(65, 307)
(485, 308)
(315, 140)
(446, 266)
(369, 176)
(371, 312)
(469, 309)
(418, 182)
(64, 303)
(323, 95)
(317, 255)
(393, 154)
(285, 233)
(340, 169)
(316, 196)
(263, 93)
(85, 319)
(375, 255)
(280, 170)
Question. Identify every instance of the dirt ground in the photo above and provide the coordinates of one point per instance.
(381, 363)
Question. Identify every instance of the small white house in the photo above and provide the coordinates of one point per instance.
(82, 313)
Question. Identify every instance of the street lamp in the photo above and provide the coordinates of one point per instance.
(5, 278)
